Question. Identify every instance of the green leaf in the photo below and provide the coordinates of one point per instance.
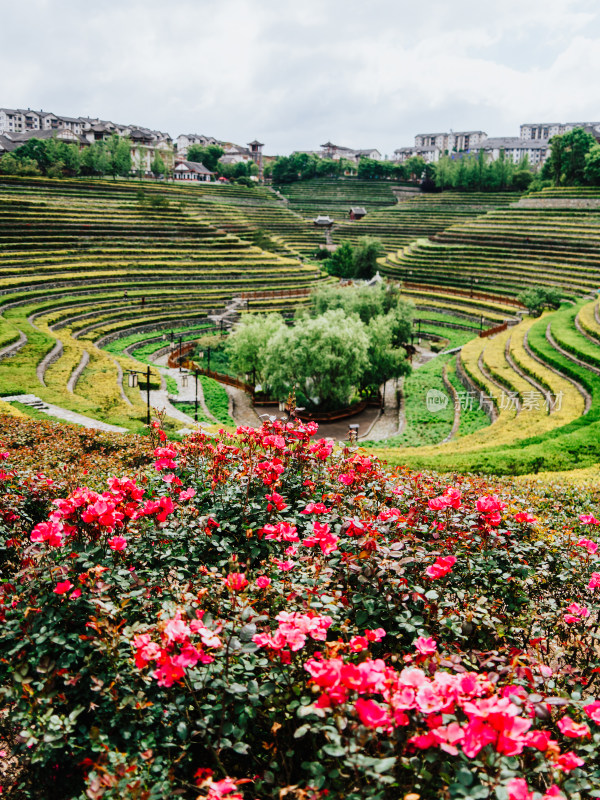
(384, 764)
(182, 730)
(334, 750)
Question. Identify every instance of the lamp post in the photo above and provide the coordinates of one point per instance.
(133, 382)
(417, 322)
(180, 351)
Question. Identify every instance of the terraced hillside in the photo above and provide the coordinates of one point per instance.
(82, 263)
(539, 382)
(418, 216)
(456, 316)
(552, 238)
(335, 196)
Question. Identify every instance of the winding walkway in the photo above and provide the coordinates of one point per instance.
(566, 353)
(13, 348)
(161, 400)
(63, 413)
(455, 400)
(48, 360)
(76, 374)
(587, 397)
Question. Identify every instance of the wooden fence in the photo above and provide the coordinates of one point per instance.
(493, 331)
(218, 376)
(178, 353)
(271, 294)
(472, 295)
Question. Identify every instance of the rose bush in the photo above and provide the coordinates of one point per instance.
(262, 615)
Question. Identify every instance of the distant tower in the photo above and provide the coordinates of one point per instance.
(257, 156)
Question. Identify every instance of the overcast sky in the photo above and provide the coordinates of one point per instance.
(295, 73)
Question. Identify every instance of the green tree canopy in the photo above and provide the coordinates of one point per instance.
(367, 303)
(591, 172)
(366, 254)
(385, 360)
(323, 357)
(467, 172)
(158, 165)
(359, 262)
(209, 155)
(341, 262)
(247, 345)
(120, 156)
(537, 298)
(567, 161)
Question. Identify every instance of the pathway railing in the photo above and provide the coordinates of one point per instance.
(270, 294)
(493, 331)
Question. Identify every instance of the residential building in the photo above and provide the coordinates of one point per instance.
(433, 145)
(11, 141)
(337, 152)
(429, 153)
(234, 153)
(184, 140)
(191, 171)
(532, 143)
(515, 149)
(546, 130)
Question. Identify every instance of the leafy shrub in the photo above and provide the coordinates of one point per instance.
(261, 614)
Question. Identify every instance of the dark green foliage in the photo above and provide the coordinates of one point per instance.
(302, 166)
(568, 160)
(538, 298)
(341, 262)
(477, 173)
(356, 262)
(58, 159)
(209, 156)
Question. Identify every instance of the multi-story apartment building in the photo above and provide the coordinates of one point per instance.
(431, 146)
(429, 153)
(515, 149)
(546, 130)
(18, 125)
(184, 140)
(338, 151)
(453, 141)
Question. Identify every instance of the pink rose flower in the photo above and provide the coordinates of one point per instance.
(117, 543)
(63, 587)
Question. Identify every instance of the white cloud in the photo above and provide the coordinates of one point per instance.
(295, 74)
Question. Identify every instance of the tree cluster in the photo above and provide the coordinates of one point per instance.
(355, 262)
(302, 166)
(58, 159)
(347, 346)
(574, 160)
(478, 173)
(209, 155)
(537, 298)
(242, 172)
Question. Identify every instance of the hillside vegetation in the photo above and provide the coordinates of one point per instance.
(254, 616)
(84, 262)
